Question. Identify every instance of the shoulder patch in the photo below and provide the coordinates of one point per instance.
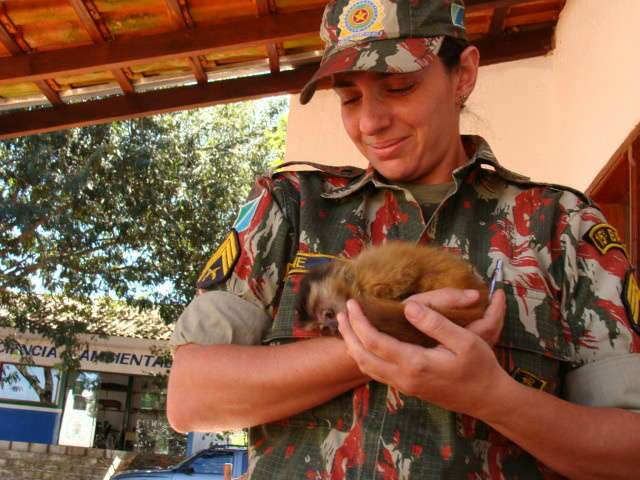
(604, 237)
(305, 261)
(221, 263)
(631, 300)
(246, 213)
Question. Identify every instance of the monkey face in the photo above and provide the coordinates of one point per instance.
(324, 292)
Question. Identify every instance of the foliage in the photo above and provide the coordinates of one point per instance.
(130, 210)
(277, 138)
(154, 435)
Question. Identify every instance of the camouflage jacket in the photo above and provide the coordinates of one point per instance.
(563, 299)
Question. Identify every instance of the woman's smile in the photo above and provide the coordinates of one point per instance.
(388, 149)
(409, 133)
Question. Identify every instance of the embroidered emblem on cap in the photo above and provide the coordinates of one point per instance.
(305, 261)
(604, 237)
(361, 21)
(221, 263)
(457, 15)
(631, 300)
(529, 379)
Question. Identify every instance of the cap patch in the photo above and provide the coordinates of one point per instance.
(361, 21)
(305, 261)
(246, 213)
(221, 263)
(529, 379)
(457, 15)
(604, 237)
(631, 300)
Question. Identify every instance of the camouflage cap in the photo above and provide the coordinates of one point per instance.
(387, 36)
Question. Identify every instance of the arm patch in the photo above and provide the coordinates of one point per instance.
(604, 237)
(221, 264)
(631, 300)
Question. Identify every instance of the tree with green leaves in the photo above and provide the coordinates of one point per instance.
(129, 210)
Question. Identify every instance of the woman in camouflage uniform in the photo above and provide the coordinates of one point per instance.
(543, 386)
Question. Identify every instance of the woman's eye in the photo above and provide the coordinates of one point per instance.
(349, 100)
(402, 89)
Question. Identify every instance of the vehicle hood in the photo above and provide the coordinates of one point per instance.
(155, 473)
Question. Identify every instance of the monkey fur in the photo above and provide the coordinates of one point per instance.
(380, 278)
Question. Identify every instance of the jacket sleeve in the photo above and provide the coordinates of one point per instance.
(240, 302)
(606, 359)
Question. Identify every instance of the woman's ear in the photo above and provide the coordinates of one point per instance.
(467, 72)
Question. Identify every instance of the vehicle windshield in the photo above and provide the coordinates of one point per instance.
(209, 461)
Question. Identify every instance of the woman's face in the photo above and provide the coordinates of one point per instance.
(405, 124)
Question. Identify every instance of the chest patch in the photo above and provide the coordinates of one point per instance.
(529, 379)
(304, 261)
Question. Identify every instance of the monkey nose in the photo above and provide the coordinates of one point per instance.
(329, 327)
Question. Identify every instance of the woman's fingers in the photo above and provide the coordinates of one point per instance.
(368, 362)
(446, 298)
(489, 327)
(438, 327)
(381, 344)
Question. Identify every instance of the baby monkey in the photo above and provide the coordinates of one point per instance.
(380, 278)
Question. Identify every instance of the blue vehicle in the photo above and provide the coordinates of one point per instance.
(207, 464)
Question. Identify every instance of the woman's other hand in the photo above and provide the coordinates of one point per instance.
(459, 374)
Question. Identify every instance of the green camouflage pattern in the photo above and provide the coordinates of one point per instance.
(564, 310)
(386, 36)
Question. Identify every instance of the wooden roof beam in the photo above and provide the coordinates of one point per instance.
(123, 107)
(476, 5)
(181, 17)
(515, 46)
(48, 91)
(521, 45)
(266, 8)
(94, 24)
(185, 43)
(497, 21)
(13, 41)
(179, 13)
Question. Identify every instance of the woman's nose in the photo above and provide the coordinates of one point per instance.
(374, 115)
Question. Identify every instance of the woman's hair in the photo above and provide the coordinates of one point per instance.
(450, 51)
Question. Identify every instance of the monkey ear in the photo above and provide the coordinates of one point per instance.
(349, 276)
(343, 268)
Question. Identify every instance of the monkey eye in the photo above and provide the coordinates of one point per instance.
(328, 314)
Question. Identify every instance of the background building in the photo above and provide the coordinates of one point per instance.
(116, 400)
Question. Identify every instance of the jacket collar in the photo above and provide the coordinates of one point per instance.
(481, 155)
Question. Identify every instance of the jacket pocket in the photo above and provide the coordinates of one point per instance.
(531, 349)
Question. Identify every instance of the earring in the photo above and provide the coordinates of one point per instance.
(461, 100)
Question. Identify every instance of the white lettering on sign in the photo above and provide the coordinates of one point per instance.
(136, 359)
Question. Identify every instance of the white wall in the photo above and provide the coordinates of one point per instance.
(557, 118)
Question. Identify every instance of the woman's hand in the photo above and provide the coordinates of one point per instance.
(459, 374)
(489, 327)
